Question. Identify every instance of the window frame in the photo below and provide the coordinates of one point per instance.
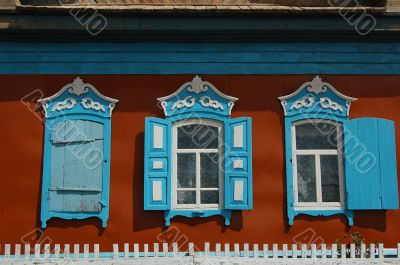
(198, 189)
(76, 101)
(319, 205)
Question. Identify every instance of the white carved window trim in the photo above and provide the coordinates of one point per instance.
(175, 152)
(319, 205)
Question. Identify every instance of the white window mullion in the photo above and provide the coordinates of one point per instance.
(198, 178)
(318, 178)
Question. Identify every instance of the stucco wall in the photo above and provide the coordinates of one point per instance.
(22, 146)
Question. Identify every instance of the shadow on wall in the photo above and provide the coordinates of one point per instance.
(264, 93)
(143, 220)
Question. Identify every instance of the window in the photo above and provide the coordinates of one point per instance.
(197, 159)
(335, 165)
(317, 162)
(198, 173)
(76, 153)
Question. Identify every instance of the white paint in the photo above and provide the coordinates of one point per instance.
(197, 152)
(197, 86)
(208, 260)
(157, 164)
(241, 255)
(327, 103)
(77, 87)
(238, 163)
(89, 103)
(158, 136)
(305, 102)
(319, 204)
(187, 102)
(316, 86)
(157, 190)
(68, 103)
(206, 102)
(238, 190)
(238, 136)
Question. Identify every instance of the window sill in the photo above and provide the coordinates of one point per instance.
(168, 215)
(319, 212)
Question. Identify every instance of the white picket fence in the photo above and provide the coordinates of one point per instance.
(171, 254)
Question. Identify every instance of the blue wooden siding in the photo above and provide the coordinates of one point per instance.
(371, 167)
(200, 58)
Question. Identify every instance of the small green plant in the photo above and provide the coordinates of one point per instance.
(353, 238)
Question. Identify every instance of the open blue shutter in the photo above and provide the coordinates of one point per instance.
(238, 165)
(157, 180)
(76, 167)
(370, 164)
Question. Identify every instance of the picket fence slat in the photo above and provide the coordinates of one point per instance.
(218, 250)
(27, 252)
(17, 251)
(372, 251)
(227, 250)
(96, 251)
(256, 254)
(265, 251)
(398, 250)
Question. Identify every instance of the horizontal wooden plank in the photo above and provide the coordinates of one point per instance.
(198, 68)
(200, 58)
(187, 47)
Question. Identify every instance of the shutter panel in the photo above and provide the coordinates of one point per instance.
(370, 164)
(238, 164)
(76, 167)
(157, 180)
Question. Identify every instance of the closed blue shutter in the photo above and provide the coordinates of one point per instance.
(157, 180)
(238, 164)
(76, 167)
(370, 164)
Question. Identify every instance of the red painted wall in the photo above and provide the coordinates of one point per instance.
(21, 163)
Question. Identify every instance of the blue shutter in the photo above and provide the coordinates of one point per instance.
(370, 164)
(157, 180)
(238, 165)
(76, 167)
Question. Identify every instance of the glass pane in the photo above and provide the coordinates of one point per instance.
(209, 197)
(209, 170)
(197, 136)
(330, 178)
(187, 170)
(186, 197)
(306, 182)
(316, 136)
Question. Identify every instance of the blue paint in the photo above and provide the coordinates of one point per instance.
(200, 58)
(168, 215)
(90, 134)
(196, 106)
(314, 110)
(370, 151)
(152, 154)
(232, 174)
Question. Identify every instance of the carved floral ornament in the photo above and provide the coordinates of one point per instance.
(312, 98)
(78, 88)
(68, 103)
(197, 87)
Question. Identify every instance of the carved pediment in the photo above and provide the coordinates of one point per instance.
(78, 97)
(316, 96)
(197, 95)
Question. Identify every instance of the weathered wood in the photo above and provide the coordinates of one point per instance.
(7, 4)
(393, 6)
